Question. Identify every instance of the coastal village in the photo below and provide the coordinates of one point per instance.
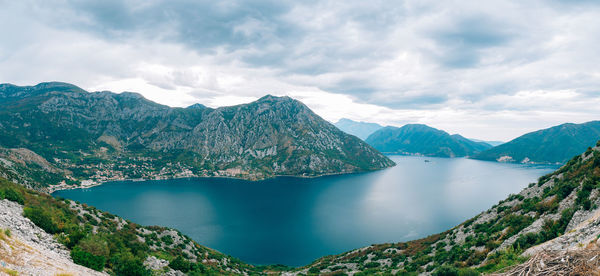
(130, 168)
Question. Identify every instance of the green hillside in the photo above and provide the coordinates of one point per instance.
(417, 139)
(552, 145)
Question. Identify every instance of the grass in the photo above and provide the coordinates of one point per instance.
(9, 271)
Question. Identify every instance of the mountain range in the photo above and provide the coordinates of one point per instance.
(105, 136)
(492, 143)
(553, 145)
(418, 139)
(361, 130)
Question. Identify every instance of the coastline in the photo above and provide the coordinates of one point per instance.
(89, 183)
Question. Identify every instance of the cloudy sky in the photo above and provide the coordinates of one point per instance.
(486, 69)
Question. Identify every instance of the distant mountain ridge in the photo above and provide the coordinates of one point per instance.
(553, 145)
(361, 130)
(97, 135)
(491, 143)
(419, 139)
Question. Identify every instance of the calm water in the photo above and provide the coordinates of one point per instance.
(293, 221)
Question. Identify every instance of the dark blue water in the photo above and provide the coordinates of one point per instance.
(293, 221)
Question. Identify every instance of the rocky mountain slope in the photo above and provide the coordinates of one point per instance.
(423, 140)
(361, 130)
(559, 212)
(27, 249)
(105, 136)
(553, 145)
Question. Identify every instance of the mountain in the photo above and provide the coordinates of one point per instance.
(420, 139)
(197, 106)
(556, 218)
(106, 136)
(491, 143)
(552, 145)
(361, 130)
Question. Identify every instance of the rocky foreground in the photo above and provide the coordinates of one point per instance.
(27, 249)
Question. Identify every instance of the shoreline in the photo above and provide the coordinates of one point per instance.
(93, 183)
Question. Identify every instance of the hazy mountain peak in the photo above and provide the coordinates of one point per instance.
(57, 85)
(361, 130)
(271, 98)
(196, 106)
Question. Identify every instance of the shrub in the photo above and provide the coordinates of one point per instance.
(74, 237)
(180, 264)
(445, 271)
(41, 218)
(13, 195)
(371, 264)
(125, 263)
(88, 259)
(314, 270)
(94, 245)
(167, 239)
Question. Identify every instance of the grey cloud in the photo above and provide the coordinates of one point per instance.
(399, 54)
(462, 43)
(198, 24)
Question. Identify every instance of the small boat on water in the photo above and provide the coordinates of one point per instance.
(427, 161)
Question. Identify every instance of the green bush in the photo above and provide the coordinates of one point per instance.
(125, 263)
(95, 245)
(167, 239)
(180, 264)
(88, 259)
(372, 264)
(74, 237)
(13, 195)
(314, 270)
(445, 271)
(41, 218)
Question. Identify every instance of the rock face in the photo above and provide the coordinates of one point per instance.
(552, 145)
(268, 137)
(31, 251)
(417, 139)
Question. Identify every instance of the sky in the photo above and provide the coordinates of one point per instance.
(489, 70)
